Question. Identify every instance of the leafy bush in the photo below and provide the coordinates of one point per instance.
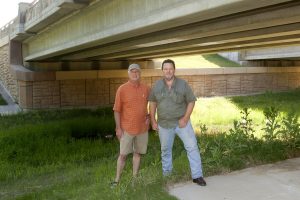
(272, 126)
(244, 127)
(239, 147)
(290, 130)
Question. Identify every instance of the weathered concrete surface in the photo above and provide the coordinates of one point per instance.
(273, 181)
(128, 30)
(272, 53)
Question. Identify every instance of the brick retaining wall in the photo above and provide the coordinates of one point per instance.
(69, 89)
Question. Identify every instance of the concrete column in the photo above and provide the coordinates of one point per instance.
(22, 12)
(25, 94)
(15, 53)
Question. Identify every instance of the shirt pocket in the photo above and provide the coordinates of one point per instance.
(179, 97)
(143, 97)
(160, 96)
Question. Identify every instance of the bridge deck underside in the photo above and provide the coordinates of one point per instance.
(269, 26)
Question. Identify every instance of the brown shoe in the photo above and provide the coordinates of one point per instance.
(200, 181)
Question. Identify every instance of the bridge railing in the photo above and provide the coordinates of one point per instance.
(8, 28)
(33, 12)
(36, 8)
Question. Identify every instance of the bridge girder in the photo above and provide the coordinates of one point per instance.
(272, 25)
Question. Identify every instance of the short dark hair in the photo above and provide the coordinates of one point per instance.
(167, 61)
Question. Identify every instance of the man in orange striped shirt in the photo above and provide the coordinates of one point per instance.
(132, 120)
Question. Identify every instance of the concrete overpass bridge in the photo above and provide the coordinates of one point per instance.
(55, 36)
(56, 30)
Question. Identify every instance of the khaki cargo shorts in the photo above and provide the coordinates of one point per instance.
(133, 143)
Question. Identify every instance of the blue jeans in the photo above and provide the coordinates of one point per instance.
(189, 140)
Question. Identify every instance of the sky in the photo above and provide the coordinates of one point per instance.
(9, 10)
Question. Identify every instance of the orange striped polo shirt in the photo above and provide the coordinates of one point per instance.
(131, 102)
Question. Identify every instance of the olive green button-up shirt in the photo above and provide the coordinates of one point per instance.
(171, 103)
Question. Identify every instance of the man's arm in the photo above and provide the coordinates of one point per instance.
(184, 120)
(119, 131)
(153, 107)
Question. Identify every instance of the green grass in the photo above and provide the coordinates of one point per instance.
(65, 154)
(218, 113)
(2, 101)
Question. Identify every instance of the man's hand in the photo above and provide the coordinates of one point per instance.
(182, 122)
(147, 121)
(119, 133)
(154, 125)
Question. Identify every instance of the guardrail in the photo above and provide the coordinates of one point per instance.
(8, 28)
(33, 12)
(37, 7)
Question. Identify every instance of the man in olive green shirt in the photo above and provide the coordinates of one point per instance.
(174, 101)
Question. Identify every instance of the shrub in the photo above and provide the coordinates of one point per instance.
(272, 126)
(290, 130)
(244, 127)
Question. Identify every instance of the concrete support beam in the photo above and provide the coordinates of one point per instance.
(42, 14)
(256, 24)
(219, 17)
(287, 52)
(234, 46)
(15, 54)
(85, 65)
(20, 73)
(236, 40)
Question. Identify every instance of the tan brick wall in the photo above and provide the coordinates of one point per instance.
(97, 92)
(79, 90)
(46, 94)
(233, 84)
(73, 93)
(114, 84)
(5, 76)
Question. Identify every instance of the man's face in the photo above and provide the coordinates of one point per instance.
(134, 75)
(168, 71)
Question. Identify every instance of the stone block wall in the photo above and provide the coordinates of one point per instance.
(6, 77)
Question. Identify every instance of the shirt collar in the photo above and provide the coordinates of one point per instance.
(173, 83)
(133, 84)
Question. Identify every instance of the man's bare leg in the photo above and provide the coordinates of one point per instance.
(120, 166)
(136, 163)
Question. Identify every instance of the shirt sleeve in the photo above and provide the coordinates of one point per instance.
(117, 105)
(189, 93)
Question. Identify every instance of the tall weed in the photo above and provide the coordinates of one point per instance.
(290, 130)
(272, 126)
